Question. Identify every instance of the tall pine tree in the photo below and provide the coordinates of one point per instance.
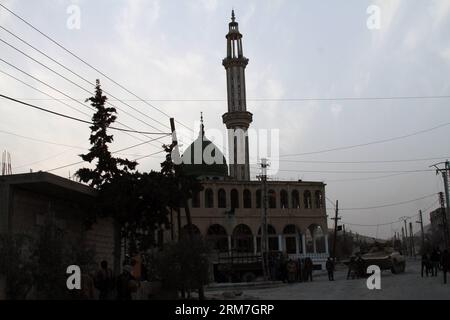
(107, 166)
(110, 174)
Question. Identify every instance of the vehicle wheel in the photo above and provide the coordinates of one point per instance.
(248, 277)
(398, 268)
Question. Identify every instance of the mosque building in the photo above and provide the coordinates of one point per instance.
(228, 211)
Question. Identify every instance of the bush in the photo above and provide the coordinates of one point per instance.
(183, 265)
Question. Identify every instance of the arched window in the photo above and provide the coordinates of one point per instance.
(272, 199)
(234, 199)
(196, 200)
(222, 198)
(318, 197)
(242, 238)
(307, 199)
(290, 238)
(247, 199)
(258, 199)
(284, 199)
(209, 198)
(295, 199)
(193, 229)
(217, 236)
(272, 238)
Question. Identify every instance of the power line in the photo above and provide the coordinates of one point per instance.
(390, 204)
(295, 99)
(34, 88)
(59, 91)
(86, 63)
(356, 171)
(42, 141)
(361, 161)
(82, 88)
(114, 152)
(74, 73)
(370, 143)
(78, 119)
(392, 222)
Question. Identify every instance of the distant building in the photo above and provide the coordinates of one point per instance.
(437, 226)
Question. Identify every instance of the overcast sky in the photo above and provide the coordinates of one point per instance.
(172, 50)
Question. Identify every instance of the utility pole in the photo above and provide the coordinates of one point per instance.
(405, 234)
(411, 240)
(421, 231)
(176, 153)
(443, 217)
(336, 218)
(264, 242)
(445, 209)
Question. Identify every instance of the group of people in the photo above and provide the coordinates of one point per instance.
(435, 261)
(289, 270)
(356, 268)
(109, 287)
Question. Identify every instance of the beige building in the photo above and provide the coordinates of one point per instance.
(228, 211)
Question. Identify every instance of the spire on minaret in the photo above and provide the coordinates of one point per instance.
(233, 17)
(202, 126)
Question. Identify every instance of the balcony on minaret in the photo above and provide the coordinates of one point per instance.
(234, 42)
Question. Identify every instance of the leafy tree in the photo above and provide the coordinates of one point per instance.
(16, 265)
(184, 265)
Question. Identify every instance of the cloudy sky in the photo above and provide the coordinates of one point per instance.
(305, 57)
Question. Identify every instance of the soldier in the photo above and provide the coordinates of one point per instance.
(445, 263)
(434, 262)
(330, 269)
(360, 272)
(425, 263)
(351, 268)
(309, 269)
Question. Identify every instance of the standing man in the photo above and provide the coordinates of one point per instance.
(104, 281)
(309, 269)
(434, 262)
(445, 263)
(425, 263)
(330, 269)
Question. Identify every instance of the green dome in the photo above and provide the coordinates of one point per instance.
(210, 164)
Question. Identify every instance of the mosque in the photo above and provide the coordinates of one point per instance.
(228, 212)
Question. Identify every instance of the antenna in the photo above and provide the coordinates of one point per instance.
(6, 163)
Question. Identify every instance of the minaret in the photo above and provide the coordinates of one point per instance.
(237, 119)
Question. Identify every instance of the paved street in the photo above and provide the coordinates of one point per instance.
(408, 285)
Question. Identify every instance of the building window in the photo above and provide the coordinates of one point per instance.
(222, 198)
(307, 199)
(272, 199)
(258, 199)
(196, 200)
(217, 237)
(290, 235)
(319, 199)
(242, 238)
(272, 239)
(247, 199)
(209, 198)
(234, 199)
(192, 229)
(295, 199)
(284, 199)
